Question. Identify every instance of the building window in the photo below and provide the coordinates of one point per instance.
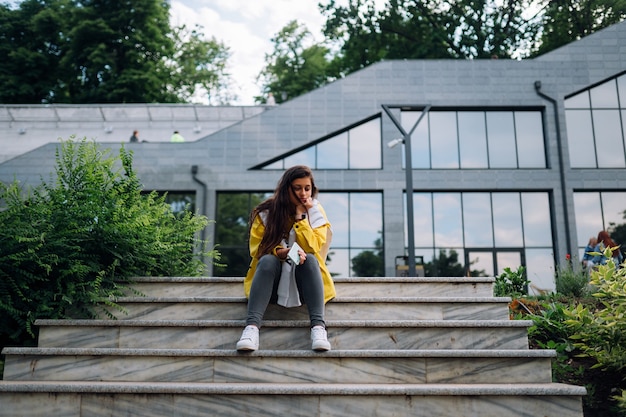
(596, 125)
(356, 219)
(481, 233)
(179, 201)
(468, 139)
(596, 211)
(357, 147)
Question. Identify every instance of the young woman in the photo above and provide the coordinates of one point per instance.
(605, 241)
(291, 216)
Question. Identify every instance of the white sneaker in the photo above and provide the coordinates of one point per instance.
(319, 339)
(249, 339)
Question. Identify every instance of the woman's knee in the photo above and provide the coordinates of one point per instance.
(311, 262)
(268, 263)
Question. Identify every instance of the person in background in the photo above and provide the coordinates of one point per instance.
(271, 101)
(605, 241)
(177, 137)
(291, 215)
(587, 257)
(135, 137)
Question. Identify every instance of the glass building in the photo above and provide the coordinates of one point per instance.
(513, 163)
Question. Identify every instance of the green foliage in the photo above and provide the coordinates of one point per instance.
(231, 232)
(61, 51)
(297, 65)
(601, 333)
(565, 21)
(418, 29)
(370, 263)
(511, 283)
(444, 265)
(69, 245)
(571, 282)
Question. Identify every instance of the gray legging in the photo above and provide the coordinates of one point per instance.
(264, 288)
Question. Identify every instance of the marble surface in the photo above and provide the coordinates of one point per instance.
(435, 334)
(401, 346)
(348, 367)
(299, 400)
(342, 308)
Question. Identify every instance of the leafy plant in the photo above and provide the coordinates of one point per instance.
(571, 282)
(71, 245)
(600, 333)
(511, 283)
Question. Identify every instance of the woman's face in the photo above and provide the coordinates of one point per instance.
(301, 191)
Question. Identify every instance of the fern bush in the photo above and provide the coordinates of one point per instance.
(69, 244)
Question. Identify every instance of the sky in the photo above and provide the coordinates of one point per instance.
(246, 27)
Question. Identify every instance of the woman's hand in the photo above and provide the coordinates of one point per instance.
(304, 207)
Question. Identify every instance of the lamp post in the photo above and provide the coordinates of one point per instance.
(408, 169)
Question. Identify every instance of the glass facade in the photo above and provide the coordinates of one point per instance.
(357, 221)
(489, 231)
(358, 147)
(476, 139)
(596, 211)
(596, 125)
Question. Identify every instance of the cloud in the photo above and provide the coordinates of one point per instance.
(246, 27)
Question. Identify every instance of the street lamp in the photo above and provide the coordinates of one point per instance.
(408, 169)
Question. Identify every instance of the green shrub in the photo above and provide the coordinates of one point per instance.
(511, 283)
(600, 333)
(571, 282)
(69, 245)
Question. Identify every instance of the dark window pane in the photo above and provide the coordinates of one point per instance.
(235, 260)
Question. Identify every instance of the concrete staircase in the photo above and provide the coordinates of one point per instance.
(401, 346)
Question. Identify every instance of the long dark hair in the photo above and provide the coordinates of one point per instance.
(603, 237)
(280, 209)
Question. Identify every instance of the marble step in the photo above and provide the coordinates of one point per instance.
(167, 399)
(221, 366)
(346, 287)
(341, 308)
(285, 334)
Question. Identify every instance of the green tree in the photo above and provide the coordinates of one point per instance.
(415, 29)
(567, 20)
(70, 244)
(117, 52)
(370, 263)
(94, 51)
(32, 40)
(231, 232)
(296, 65)
(199, 67)
(448, 265)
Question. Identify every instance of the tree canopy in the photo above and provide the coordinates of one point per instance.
(360, 33)
(95, 51)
